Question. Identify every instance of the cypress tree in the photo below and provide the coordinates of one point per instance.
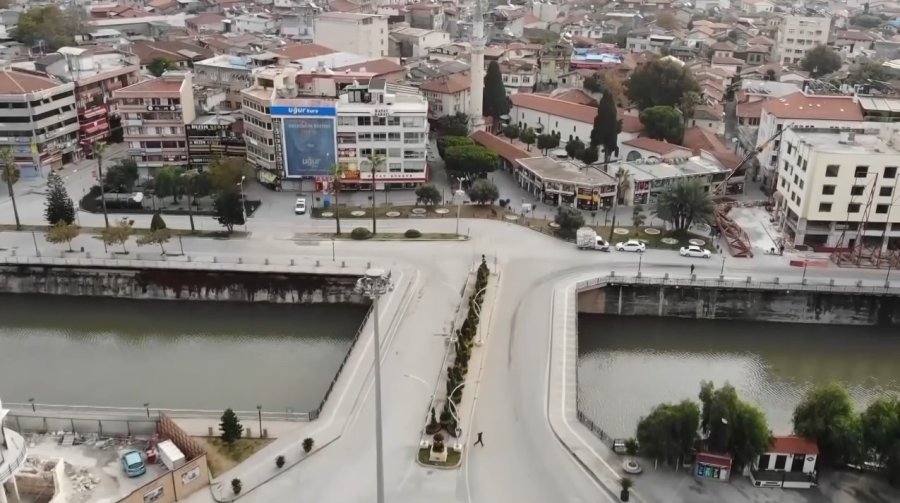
(59, 206)
(606, 128)
(494, 101)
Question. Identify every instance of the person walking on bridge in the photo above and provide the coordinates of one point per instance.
(480, 440)
(692, 269)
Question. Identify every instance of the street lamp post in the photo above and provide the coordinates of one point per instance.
(722, 271)
(243, 204)
(147, 407)
(373, 285)
(887, 277)
(458, 195)
(640, 261)
(259, 414)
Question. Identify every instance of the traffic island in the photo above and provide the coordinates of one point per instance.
(452, 461)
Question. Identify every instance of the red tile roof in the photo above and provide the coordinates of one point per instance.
(301, 51)
(751, 109)
(501, 147)
(794, 445)
(714, 459)
(553, 106)
(697, 139)
(450, 84)
(655, 146)
(577, 96)
(801, 106)
(376, 66)
(13, 82)
(630, 123)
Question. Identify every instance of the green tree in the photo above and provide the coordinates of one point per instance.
(376, 161)
(820, 60)
(483, 192)
(230, 426)
(688, 105)
(157, 222)
(229, 210)
(227, 172)
(428, 195)
(546, 142)
(683, 204)
(868, 71)
(445, 142)
(866, 21)
(637, 217)
(495, 103)
(880, 425)
(160, 65)
(528, 137)
(623, 183)
(569, 220)
(734, 426)
(607, 126)
(826, 416)
(593, 83)
(156, 237)
(453, 125)
(167, 182)
(117, 234)
(48, 26)
(10, 175)
(194, 184)
(589, 156)
(574, 147)
(122, 176)
(99, 150)
(59, 206)
(666, 20)
(669, 431)
(663, 123)
(660, 83)
(511, 131)
(62, 232)
(470, 161)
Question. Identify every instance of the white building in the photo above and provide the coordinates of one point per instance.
(408, 42)
(39, 121)
(447, 95)
(518, 76)
(364, 34)
(798, 34)
(255, 23)
(571, 120)
(830, 182)
(800, 110)
(268, 85)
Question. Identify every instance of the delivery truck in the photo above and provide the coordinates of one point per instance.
(587, 239)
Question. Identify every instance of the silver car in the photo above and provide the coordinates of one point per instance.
(694, 251)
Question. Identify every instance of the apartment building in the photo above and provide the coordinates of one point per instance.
(268, 85)
(798, 34)
(447, 95)
(38, 120)
(363, 34)
(154, 115)
(835, 187)
(215, 135)
(231, 73)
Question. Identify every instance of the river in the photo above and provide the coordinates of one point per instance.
(171, 354)
(627, 365)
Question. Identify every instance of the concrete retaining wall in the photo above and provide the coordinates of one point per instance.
(781, 303)
(138, 282)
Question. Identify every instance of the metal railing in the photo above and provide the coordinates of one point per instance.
(93, 411)
(596, 430)
(14, 464)
(314, 414)
(805, 285)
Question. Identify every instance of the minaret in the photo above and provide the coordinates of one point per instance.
(476, 91)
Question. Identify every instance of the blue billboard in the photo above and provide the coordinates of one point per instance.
(309, 144)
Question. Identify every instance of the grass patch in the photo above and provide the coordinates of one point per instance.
(399, 236)
(137, 231)
(465, 211)
(223, 457)
(453, 458)
(655, 240)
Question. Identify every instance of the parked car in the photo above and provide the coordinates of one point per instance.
(133, 463)
(694, 251)
(632, 245)
(300, 206)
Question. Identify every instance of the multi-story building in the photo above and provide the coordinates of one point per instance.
(255, 23)
(38, 120)
(378, 120)
(215, 135)
(256, 102)
(518, 76)
(363, 34)
(13, 450)
(231, 74)
(447, 95)
(154, 115)
(96, 75)
(836, 188)
(798, 34)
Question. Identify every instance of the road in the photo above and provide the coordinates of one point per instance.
(522, 460)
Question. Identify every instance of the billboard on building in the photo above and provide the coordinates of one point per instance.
(308, 137)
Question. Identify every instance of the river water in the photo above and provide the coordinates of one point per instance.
(627, 365)
(172, 354)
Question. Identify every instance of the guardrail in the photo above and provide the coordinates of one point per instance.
(596, 430)
(95, 412)
(314, 414)
(860, 287)
(12, 465)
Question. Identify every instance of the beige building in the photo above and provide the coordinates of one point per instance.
(154, 115)
(38, 120)
(837, 187)
(363, 34)
(256, 101)
(798, 34)
(447, 95)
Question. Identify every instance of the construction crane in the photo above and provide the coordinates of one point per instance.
(720, 189)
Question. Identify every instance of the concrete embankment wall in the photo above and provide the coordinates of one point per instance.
(137, 282)
(787, 303)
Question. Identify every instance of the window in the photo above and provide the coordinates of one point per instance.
(364, 121)
(825, 207)
(790, 148)
(798, 200)
(861, 171)
(890, 172)
(886, 191)
(857, 190)
(853, 208)
(831, 170)
(805, 164)
(796, 178)
(882, 208)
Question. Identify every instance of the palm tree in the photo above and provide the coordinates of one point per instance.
(337, 170)
(627, 484)
(623, 184)
(376, 160)
(189, 182)
(684, 204)
(11, 176)
(99, 148)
